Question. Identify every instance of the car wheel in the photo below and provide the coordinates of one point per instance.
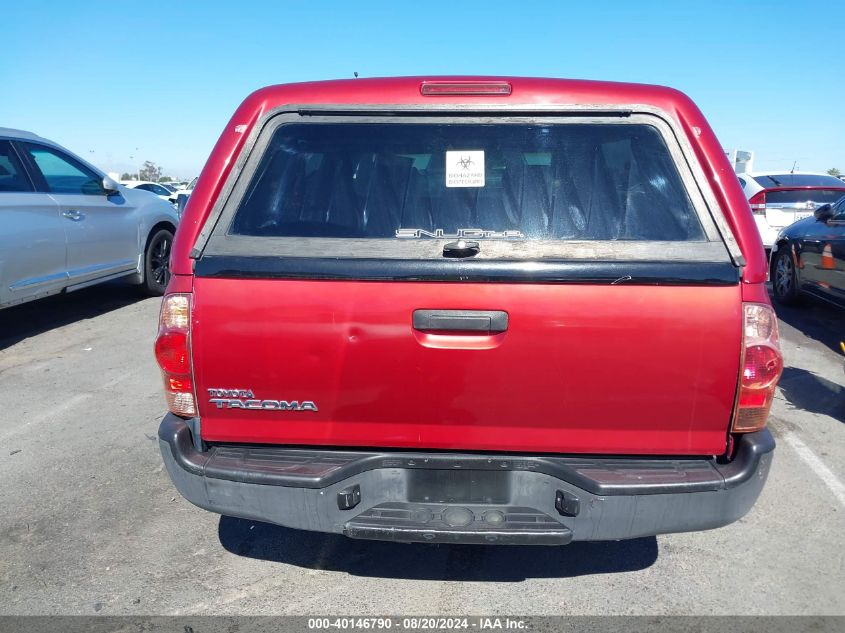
(157, 262)
(785, 279)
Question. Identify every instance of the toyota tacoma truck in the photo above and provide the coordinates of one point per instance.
(469, 310)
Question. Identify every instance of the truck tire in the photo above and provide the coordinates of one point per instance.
(784, 277)
(157, 262)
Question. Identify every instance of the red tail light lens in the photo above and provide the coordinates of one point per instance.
(171, 350)
(762, 365)
(173, 353)
(758, 203)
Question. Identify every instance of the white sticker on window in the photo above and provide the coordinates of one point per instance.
(465, 168)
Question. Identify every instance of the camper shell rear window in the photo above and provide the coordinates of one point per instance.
(522, 187)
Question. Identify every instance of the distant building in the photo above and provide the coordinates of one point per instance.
(741, 159)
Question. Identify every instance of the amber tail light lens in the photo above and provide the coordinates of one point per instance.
(173, 354)
(762, 365)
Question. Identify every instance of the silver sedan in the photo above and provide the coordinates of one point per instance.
(66, 225)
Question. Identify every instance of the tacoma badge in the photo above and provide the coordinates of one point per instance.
(245, 399)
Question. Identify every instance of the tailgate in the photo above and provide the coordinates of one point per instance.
(538, 286)
(580, 368)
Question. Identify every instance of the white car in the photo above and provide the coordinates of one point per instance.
(187, 189)
(182, 195)
(779, 198)
(153, 187)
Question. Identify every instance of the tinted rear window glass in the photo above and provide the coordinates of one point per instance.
(386, 180)
(797, 180)
(819, 196)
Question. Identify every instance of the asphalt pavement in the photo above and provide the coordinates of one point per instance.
(90, 522)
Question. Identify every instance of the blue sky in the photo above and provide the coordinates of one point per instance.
(124, 82)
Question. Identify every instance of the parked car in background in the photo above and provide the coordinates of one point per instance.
(153, 187)
(467, 318)
(183, 194)
(188, 188)
(66, 225)
(778, 199)
(808, 257)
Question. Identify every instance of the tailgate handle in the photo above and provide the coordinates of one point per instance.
(486, 321)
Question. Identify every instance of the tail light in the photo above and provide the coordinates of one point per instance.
(758, 203)
(762, 365)
(173, 353)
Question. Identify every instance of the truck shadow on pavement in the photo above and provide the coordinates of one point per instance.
(36, 317)
(805, 390)
(503, 563)
(815, 320)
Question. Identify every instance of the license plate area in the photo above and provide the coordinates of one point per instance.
(459, 486)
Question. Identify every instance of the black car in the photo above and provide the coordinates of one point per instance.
(808, 257)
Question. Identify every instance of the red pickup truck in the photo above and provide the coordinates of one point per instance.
(470, 310)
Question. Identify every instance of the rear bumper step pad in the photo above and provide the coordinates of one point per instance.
(319, 468)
